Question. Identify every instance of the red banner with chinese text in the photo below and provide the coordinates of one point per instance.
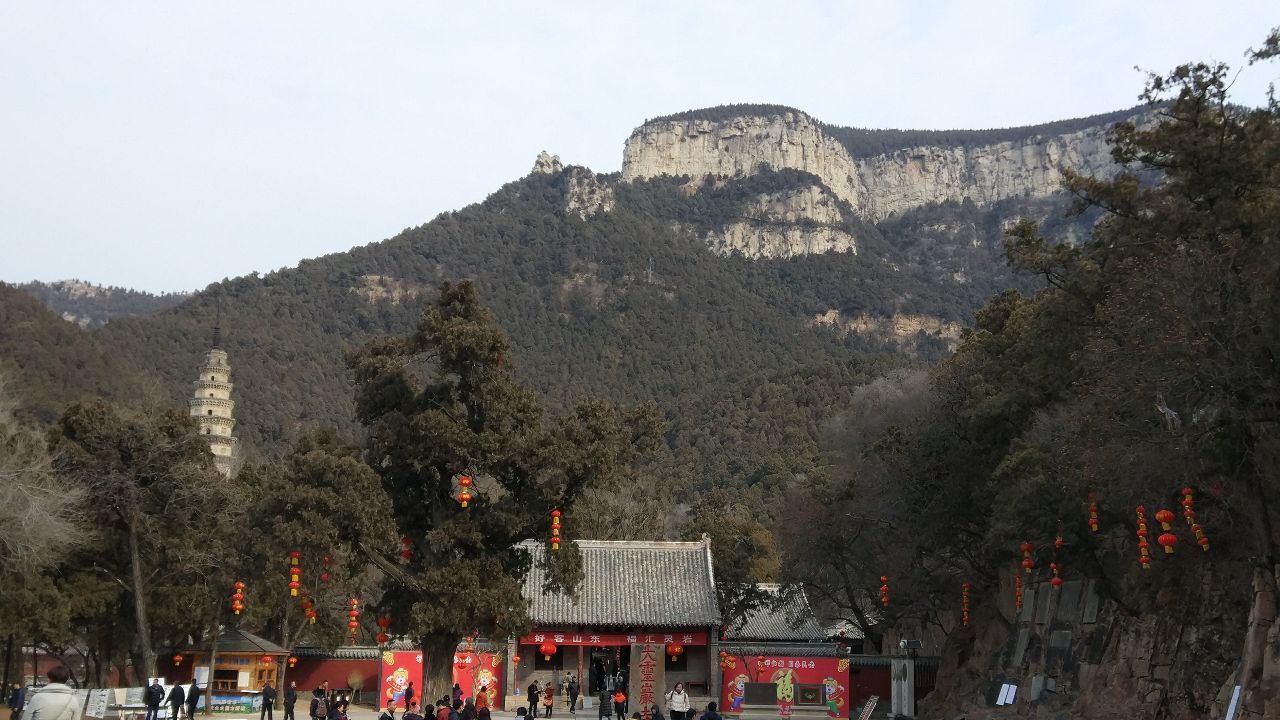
(474, 671)
(831, 673)
(561, 637)
(399, 668)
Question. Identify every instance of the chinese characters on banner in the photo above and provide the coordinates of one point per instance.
(613, 639)
(398, 670)
(787, 672)
(648, 677)
(473, 671)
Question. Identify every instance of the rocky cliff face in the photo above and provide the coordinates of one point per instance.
(876, 186)
(784, 224)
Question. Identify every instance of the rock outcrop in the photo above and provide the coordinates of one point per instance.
(902, 328)
(876, 186)
(587, 194)
(784, 224)
(547, 164)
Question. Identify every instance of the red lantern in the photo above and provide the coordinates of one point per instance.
(292, 661)
(382, 638)
(1027, 548)
(267, 660)
(547, 649)
(1164, 517)
(293, 588)
(311, 616)
(406, 540)
(1204, 543)
(406, 554)
(515, 659)
(324, 576)
(384, 622)
(1167, 541)
(1028, 565)
(294, 557)
(1058, 542)
(464, 498)
(177, 660)
(1056, 582)
(1145, 560)
(675, 650)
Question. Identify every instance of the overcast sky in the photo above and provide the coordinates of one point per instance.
(167, 145)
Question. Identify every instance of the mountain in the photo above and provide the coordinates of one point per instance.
(47, 363)
(92, 306)
(747, 287)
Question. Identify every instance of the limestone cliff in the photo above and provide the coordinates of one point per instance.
(876, 186)
(784, 224)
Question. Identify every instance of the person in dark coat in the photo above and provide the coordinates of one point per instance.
(155, 698)
(193, 699)
(408, 694)
(290, 699)
(606, 704)
(18, 698)
(177, 696)
(711, 713)
(457, 693)
(316, 711)
(268, 702)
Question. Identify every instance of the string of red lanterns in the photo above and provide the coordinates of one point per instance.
(353, 623)
(1188, 512)
(1028, 564)
(555, 530)
(294, 572)
(309, 608)
(1017, 591)
(964, 604)
(1056, 580)
(324, 574)
(884, 590)
(464, 495)
(1093, 513)
(237, 597)
(384, 622)
(1144, 554)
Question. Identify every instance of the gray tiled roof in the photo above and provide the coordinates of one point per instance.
(246, 642)
(630, 584)
(793, 621)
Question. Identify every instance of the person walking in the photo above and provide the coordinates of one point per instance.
(620, 704)
(678, 702)
(155, 698)
(193, 699)
(482, 699)
(606, 705)
(268, 702)
(290, 699)
(18, 696)
(177, 698)
(319, 705)
(574, 690)
(55, 701)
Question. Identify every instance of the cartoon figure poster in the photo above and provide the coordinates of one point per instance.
(787, 672)
(398, 670)
(473, 671)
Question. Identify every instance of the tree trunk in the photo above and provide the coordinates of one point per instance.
(1259, 674)
(145, 650)
(437, 667)
(8, 661)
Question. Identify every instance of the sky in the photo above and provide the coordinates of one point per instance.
(164, 146)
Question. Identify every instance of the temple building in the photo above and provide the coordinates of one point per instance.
(645, 609)
(211, 406)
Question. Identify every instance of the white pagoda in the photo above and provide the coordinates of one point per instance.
(212, 406)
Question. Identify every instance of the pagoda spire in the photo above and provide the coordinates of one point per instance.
(211, 405)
